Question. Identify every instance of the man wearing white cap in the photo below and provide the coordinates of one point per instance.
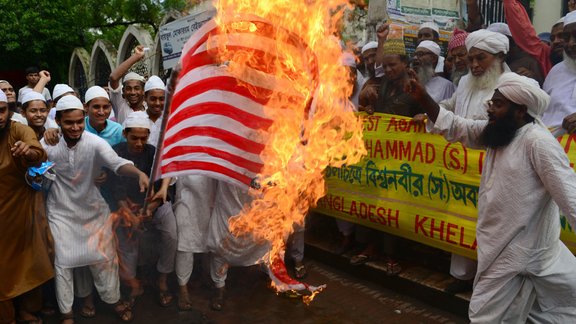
(368, 95)
(126, 196)
(35, 110)
(60, 90)
(431, 32)
(424, 60)
(25, 262)
(155, 94)
(78, 215)
(98, 109)
(525, 273)
(129, 97)
(560, 84)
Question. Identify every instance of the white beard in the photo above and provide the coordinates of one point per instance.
(425, 73)
(489, 78)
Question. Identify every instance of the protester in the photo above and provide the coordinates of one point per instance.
(35, 111)
(78, 215)
(25, 254)
(155, 95)
(368, 95)
(129, 97)
(457, 49)
(431, 32)
(98, 108)
(525, 36)
(60, 90)
(525, 273)
(128, 198)
(560, 116)
(424, 61)
(8, 90)
(32, 78)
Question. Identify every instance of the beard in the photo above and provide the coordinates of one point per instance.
(457, 75)
(555, 58)
(425, 73)
(489, 78)
(501, 132)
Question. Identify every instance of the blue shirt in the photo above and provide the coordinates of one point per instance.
(112, 133)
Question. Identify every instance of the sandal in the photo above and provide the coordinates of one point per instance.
(88, 311)
(134, 298)
(165, 298)
(393, 267)
(124, 311)
(66, 318)
(300, 271)
(359, 259)
(217, 302)
(184, 304)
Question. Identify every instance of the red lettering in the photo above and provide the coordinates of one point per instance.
(393, 218)
(363, 210)
(378, 150)
(480, 162)
(430, 153)
(454, 162)
(353, 209)
(405, 150)
(569, 141)
(418, 152)
(391, 150)
(440, 229)
(419, 225)
(462, 239)
(449, 232)
(392, 123)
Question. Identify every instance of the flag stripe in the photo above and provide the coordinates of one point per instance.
(219, 108)
(229, 137)
(207, 166)
(235, 159)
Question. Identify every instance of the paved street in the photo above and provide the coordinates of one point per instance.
(346, 300)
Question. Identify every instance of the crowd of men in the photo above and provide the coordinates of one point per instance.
(501, 88)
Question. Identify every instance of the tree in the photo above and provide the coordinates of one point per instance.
(45, 32)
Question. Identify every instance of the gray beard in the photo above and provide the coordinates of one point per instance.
(457, 75)
(489, 78)
(425, 73)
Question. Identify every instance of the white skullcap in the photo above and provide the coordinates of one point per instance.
(431, 25)
(488, 41)
(61, 89)
(501, 28)
(369, 45)
(133, 76)
(431, 46)
(570, 18)
(560, 21)
(69, 103)
(95, 92)
(348, 59)
(3, 97)
(137, 119)
(154, 82)
(524, 91)
(32, 95)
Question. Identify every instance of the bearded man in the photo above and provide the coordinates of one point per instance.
(525, 273)
(560, 82)
(457, 50)
(424, 62)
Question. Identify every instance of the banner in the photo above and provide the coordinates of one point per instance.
(415, 185)
(174, 35)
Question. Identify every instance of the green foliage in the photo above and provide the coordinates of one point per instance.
(45, 32)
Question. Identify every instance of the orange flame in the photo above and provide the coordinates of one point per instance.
(307, 96)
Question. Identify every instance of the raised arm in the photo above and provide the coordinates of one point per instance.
(382, 33)
(474, 17)
(119, 72)
(44, 79)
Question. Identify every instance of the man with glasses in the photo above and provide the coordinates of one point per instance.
(561, 82)
(424, 61)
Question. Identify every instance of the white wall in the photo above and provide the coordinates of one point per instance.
(546, 13)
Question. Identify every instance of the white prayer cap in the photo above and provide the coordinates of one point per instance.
(61, 89)
(348, 59)
(524, 91)
(32, 95)
(154, 82)
(559, 21)
(501, 28)
(137, 119)
(431, 46)
(3, 97)
(488, 41)
(570, 18)
(69, 103)
(431, 25)
(133, 76)
(369, 45)
(95, 92)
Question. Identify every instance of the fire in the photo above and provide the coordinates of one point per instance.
(307, 99)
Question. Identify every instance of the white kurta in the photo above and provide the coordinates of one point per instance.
(440, 89)
(155, 131)
(76, 210)
(120, 106)
(560, 84)
(522, 264)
